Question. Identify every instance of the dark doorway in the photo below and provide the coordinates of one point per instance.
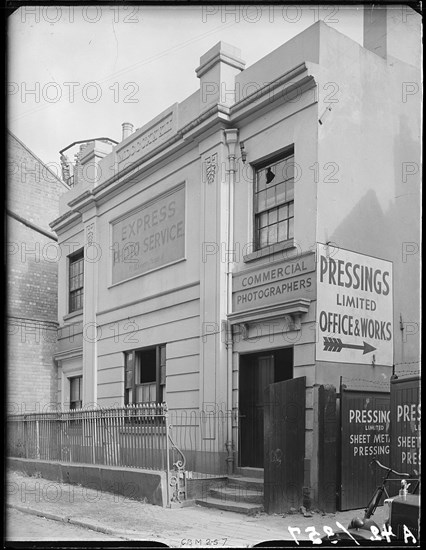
(256, 372)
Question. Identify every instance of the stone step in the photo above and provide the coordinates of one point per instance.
(238, 507)
(237, 494)
(255, 484)
(250, 472)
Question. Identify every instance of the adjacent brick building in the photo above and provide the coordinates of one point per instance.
(32, 265)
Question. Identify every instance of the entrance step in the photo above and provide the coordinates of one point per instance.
(252, 483)
(229, 506)
(250, 472)
(237, 494)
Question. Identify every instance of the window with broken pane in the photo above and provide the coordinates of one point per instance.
(274, 202)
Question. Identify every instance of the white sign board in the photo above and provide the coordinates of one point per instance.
(354, 307)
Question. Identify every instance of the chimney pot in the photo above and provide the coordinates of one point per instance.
(127, 129)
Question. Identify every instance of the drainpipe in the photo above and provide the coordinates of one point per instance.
(231, 138)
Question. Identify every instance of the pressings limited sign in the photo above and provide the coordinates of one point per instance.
(149, 237)
(354, 307)
(274, 283)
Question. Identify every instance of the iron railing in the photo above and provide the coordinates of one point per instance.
(202, 437)
(133, 436)
(185, 444)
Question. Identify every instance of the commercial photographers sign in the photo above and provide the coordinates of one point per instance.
(150, 237)
(354, 307)
(274, 283)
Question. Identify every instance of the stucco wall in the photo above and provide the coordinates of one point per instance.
(372, 139)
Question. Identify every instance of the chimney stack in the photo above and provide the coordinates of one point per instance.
(127, 130)
(393, 31)
(217, 71)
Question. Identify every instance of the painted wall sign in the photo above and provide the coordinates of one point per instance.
(150, 237)
(274, 283)
(147, 138)
(354, 307)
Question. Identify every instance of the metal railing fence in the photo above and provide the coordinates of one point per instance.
(134, 436)
(184, 444)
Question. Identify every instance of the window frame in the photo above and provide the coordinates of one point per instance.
(257, 167)
(72, 260)
(160, 378)
(80, 391)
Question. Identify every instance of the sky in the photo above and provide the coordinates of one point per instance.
(77, 73)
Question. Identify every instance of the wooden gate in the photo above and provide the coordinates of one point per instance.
(365, 434)
(327, 448)
(284, 445)
(405, 424)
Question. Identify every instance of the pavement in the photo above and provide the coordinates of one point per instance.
(113, 515)
(24, 527)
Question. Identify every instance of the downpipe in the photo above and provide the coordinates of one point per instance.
(231, 138)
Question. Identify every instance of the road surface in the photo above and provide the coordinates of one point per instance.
(25, 527)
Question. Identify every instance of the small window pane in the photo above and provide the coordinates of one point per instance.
(281, 193)
(291, 228)
(270, 197)
(145, 394)
(273, 216)
(263, 219)
(263, 237)
(139, 394)
(272, 234)
(290, 191)
(291, 209)
(289, 169)
(261, 180)
(280, 171)
(283, 213)
(282, 231)
(261, 201)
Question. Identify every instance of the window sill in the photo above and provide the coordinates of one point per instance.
(72, 315)
(269, 250)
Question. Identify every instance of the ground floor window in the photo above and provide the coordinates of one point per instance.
(76, 392)
(145, 375)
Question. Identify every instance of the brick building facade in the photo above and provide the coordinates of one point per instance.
(32, 262)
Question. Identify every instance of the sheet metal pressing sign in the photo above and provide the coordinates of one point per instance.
(354, 307)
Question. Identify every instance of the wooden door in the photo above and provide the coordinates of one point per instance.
(284, 444)
(256, 373)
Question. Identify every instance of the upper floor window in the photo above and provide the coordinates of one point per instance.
(76, 281)
(274, 201)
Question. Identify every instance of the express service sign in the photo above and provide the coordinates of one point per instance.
(150, 237)
(354, 307)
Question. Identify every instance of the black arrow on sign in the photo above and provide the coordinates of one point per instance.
(336, 344)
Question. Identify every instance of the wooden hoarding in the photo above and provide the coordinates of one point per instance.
(365, 434)
(405, 425)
